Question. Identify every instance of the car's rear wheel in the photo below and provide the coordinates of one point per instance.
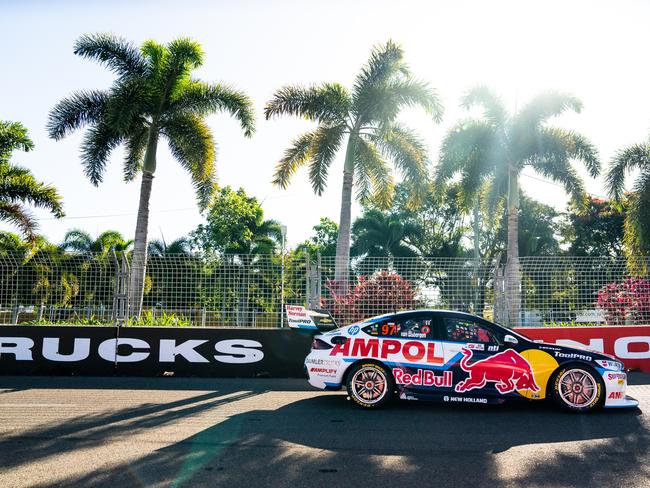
(370, 385)
(578, 388)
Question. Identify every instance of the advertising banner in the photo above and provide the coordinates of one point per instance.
(630, 344)
(152, 351)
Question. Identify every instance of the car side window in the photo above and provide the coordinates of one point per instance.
(463, 330)
(420, 327)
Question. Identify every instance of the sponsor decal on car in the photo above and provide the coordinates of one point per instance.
(508, 370)
(572, 355)
(423, 377)
(329, 371)
(476, 347)
(616, 376)
(616, 395)
(391, 349)
(322, 362)
(464, 399)
(353, 330)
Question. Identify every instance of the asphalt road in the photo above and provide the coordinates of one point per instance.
(72, 431)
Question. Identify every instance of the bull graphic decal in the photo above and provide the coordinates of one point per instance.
(508, 370)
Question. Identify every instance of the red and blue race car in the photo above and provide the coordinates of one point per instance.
(454, 357)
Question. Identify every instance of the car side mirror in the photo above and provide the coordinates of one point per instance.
(510, 339)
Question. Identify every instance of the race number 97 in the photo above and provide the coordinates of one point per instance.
(389, 329)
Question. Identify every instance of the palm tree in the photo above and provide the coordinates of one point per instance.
(637, 221)
(154, 95)
(178, 247)
(366, 116)
(495, 149)
(18, 186)
(78, 240)
(381, 234)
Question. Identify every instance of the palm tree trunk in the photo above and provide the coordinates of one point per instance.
(139, 261)
(342, 263)
(513, 272)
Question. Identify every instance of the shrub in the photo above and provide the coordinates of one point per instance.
(373, 295)
(629, 299)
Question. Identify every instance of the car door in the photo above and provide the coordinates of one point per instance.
(418, 366)
(481, 363)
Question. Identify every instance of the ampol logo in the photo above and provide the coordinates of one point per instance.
(508, 370)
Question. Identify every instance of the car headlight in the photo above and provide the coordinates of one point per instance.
(609, 364)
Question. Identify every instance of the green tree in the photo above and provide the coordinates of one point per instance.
(440, 218)
(154, 95)
(497, 147)
(596, 231)
(237, 233)
(637, 222)
(383, 234)
(78, 240)
(235, 224)
(323, 240)
(19, 189)
(367, 117)
(538, 228)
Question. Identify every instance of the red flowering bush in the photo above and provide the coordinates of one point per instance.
(627, 300)
(373, 295)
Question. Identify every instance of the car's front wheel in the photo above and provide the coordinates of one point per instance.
(370, 385)
(578, 388)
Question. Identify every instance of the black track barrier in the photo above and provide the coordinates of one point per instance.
(152, 351)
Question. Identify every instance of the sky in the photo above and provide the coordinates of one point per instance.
(595, 50)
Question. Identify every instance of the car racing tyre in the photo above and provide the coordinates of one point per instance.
(578, 388)
(370, 385)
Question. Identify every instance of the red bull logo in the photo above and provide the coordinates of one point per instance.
(423, 377)
(508, 370)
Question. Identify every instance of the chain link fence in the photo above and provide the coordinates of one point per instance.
(250, 290)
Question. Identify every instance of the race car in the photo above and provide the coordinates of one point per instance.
(454, 357)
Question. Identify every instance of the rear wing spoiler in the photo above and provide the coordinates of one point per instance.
(317, 320)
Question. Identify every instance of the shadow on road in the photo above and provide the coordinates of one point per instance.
(22, 383)
(325, 441)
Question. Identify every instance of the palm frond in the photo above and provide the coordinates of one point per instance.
(294, 157)
(555, 143)
(127, 103)
(13, 135)
(325, 145)
(204, 98)
(637, 223)
(636, 156)
(381, 104)
(186, 52)
(19, 185)
(409, 155)
(327, 103)
(98, 143)
(494, 109)
(136, 144)
(373, 175)
(557, 167)
(472, 143)
(386, 61)
(415, 93)
(192, 144)
(75, 111)
(119, 55)
(76, 240)
(544, 106)
(18, 215)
